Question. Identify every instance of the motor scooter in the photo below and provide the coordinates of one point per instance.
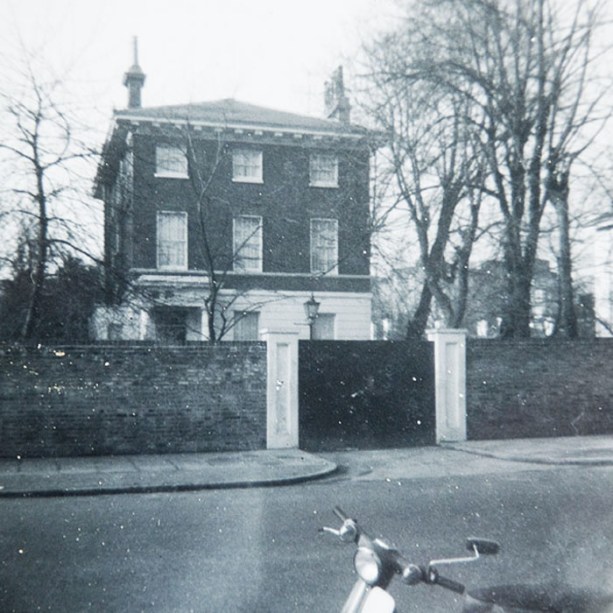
(377, 563)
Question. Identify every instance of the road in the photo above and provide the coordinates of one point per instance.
(258, 549)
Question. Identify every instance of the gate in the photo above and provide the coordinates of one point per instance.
(365, 394)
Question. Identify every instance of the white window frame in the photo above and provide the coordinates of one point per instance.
(247, 165)
(179, 215)
(323, 170)
(331, 264)
(170, 162)
(253, 241)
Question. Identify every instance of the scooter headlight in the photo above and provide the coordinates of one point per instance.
(367, 565)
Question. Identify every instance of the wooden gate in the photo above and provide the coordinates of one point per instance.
(365, 394)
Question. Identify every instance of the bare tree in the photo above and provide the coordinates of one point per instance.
(40, 155)
(207, 204)
(574, 122)
(522, 68)
(434, 166)
(204, 160)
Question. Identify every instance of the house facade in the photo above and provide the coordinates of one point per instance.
(225, 218)
(602, 274)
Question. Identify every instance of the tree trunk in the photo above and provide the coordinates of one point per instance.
(417, 325)
(516, 320)
(567, 316)
(32, 317)
(462, 295)
(211, 306)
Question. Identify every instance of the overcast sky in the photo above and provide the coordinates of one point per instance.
(272, 52)
(276, 53)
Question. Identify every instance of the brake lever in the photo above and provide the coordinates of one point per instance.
(333, 531)
(348, 532)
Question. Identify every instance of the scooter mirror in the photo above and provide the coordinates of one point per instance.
(483, 546)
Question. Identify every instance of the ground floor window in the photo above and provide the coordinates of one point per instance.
(247, 326)
(323, 328)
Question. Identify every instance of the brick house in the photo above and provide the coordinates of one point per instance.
(224, 218)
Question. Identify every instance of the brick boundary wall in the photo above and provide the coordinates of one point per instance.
(123, 399)
(539, 388)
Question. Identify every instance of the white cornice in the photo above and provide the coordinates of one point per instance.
(258, 129)
(151, 275)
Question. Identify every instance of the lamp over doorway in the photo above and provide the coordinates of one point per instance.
(311, 310)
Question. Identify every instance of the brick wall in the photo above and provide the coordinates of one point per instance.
(116, 399)
(285, 201)
(120, 399)
(539, 388)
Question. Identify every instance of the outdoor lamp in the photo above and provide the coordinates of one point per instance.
(311, 308)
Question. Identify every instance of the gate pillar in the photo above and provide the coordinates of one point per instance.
(281, 389)
(450, 383)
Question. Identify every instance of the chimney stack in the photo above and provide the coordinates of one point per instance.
(134, 80)
(336, 103)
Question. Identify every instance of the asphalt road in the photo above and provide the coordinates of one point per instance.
(259, 549)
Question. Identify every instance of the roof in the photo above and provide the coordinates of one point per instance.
(226, 114)
(234, 113)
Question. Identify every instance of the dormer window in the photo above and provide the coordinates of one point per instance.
(323, 170)
(247, 166)
(170, 162)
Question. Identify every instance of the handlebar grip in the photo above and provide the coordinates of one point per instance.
(450, 584)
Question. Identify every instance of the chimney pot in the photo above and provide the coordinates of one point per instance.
(336, 103)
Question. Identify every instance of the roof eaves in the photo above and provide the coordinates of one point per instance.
(356, 133)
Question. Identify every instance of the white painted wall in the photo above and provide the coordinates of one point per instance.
(278, 311)
(128, 319)
(285, 311)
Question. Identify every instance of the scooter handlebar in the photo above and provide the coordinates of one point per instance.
(450, 584)
(432, 576)
(410, 573)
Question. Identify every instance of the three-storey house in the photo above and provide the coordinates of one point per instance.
(224, 218)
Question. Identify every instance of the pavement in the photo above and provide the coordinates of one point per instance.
(594, 450)
(183, 472)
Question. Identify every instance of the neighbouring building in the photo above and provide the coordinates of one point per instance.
(395, 298)
(487, 295)
(224, 218)
(602, 274)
